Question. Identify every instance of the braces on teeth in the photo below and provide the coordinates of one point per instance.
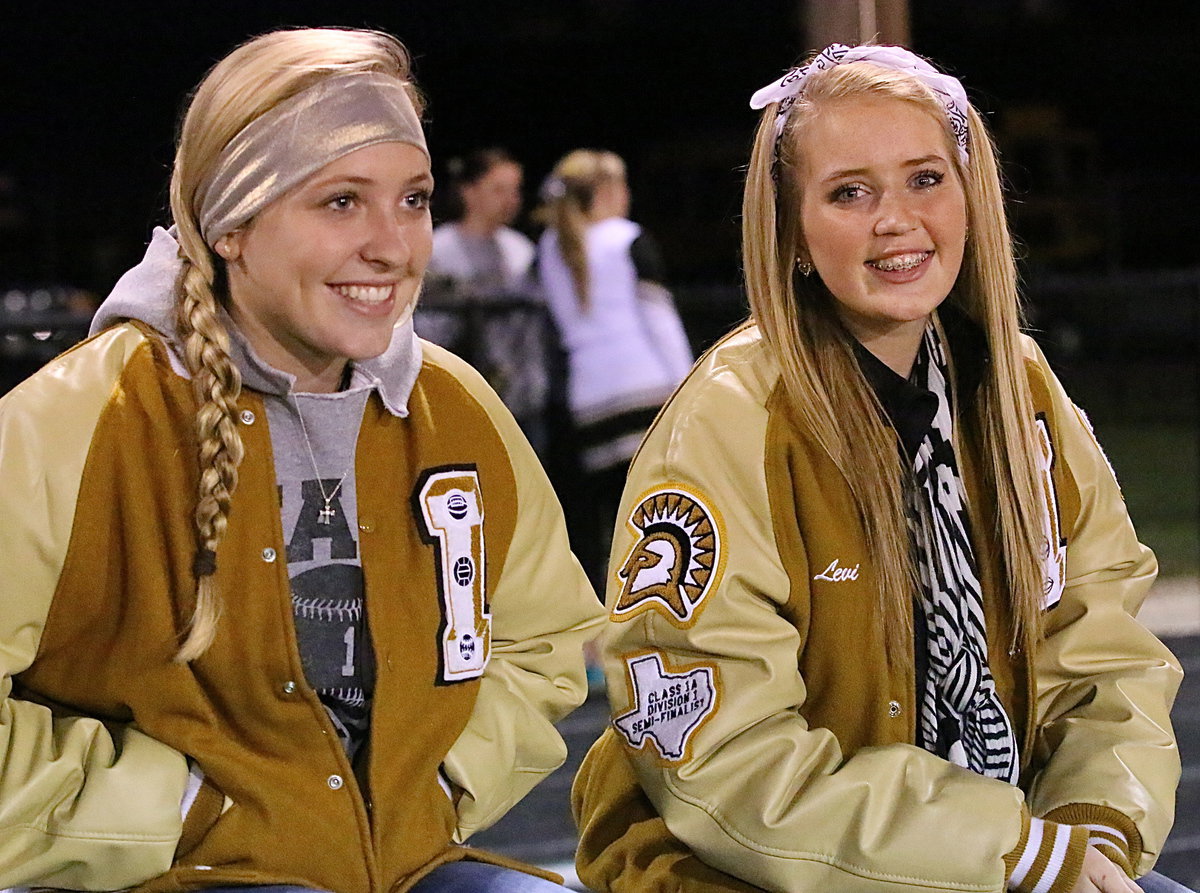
(900, 263)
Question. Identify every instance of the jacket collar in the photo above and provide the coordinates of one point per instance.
(146, 293)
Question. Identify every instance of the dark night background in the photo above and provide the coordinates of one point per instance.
(90, 93)
(1093, 103)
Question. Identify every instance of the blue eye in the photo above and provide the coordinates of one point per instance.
(925, 179)
(847, 193)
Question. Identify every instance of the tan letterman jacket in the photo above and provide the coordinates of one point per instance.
(759, 739)
(97, 460)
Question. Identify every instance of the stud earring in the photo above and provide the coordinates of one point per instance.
(805, 267)
(226, 248)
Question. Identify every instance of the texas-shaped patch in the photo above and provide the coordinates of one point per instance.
(668, 707)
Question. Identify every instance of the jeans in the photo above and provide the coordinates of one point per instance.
(1158, 883)
(479, 877)
(453, 877)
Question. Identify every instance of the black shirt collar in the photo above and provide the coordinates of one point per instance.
(911, 408)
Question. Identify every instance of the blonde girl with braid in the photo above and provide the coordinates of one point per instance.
(603, 280)
(874, 587)
(291, 603)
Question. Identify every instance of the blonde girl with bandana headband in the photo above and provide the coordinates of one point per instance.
(290, 603)
(873, 590)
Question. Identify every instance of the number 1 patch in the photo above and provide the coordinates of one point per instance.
(451, 509)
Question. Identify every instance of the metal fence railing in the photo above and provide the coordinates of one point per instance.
(1129, 340)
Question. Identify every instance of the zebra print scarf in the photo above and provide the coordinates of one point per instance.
(961, 717)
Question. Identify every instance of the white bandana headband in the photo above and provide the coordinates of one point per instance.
(787, 89)
(283, 147)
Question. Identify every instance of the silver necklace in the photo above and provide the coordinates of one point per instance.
(325, 515)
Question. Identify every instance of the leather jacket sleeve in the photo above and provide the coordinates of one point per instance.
(1105, 684)
(543, 610)
(83, 804)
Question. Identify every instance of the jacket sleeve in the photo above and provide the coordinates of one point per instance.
(709, 708)
(1105, 684)
(84, 804)
(543, 610)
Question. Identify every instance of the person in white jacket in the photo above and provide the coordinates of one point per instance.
(602, 277)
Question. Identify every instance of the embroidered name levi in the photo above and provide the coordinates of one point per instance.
(834, 573)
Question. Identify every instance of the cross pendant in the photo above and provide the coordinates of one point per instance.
(325, 515)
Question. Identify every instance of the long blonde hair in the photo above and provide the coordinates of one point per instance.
(567, 202)
(250, 81)
(827, 390)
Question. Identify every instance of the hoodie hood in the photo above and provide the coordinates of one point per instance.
(146, 294)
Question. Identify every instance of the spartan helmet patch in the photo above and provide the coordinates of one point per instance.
(676, 559)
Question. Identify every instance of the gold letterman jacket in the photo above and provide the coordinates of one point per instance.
(759, 739)
(97, 460)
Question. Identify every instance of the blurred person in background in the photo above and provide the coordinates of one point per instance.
(480, 297)
(295, 608)
(874, 591)
(480, 253)
(603, 279)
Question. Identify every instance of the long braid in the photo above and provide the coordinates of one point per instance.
(217, 384)
(248, 82)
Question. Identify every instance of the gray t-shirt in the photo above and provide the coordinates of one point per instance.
(320, 527)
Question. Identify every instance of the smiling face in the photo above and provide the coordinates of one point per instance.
(883, 218)
(323, 275)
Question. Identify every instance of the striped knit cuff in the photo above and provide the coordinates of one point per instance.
(1048, 858)
(1108, 830)
(1111, 843)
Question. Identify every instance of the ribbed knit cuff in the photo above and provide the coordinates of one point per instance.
(1048, 858)
(1108, 830)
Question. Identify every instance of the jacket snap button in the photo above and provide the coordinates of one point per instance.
(289, 687)
(335, 782)
(894, 709)
(247, 417)
(268, 555)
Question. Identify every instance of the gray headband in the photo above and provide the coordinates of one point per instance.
(285, 146)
